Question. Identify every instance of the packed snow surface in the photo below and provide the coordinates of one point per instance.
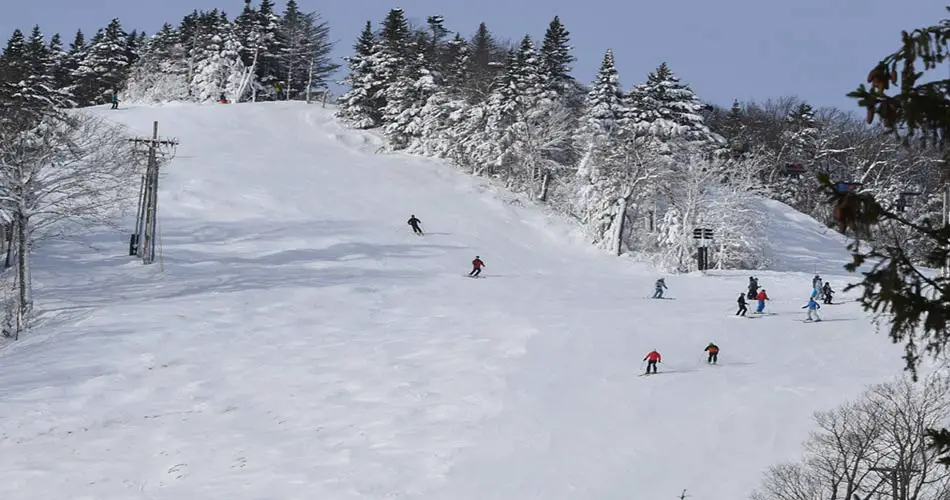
(297, 341)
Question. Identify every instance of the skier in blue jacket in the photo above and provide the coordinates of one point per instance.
(813, 308)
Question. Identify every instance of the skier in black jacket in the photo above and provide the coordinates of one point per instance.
(742, 308)
(414, 222)
(753, 287)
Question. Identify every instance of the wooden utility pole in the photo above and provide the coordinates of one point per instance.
(142, 242)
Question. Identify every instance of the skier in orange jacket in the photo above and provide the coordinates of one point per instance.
(652, 359)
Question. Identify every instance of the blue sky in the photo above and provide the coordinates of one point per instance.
(748, 49)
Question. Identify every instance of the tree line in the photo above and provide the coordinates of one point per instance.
(259, 55)
(638, 167)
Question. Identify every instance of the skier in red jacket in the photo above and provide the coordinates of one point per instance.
(652, 359)
(761, 297)
(477, 266)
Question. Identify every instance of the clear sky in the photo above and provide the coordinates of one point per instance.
(748, 49)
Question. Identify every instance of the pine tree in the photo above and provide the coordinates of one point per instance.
(458, 65)
(665, 108)
(733, 128)
(219, 68)
(268, 64)
(394, 58)
(362, 103)
(15, 65)
(105, 65)
(486, 63)
(59, 61)
(27, 93)
(256, 32)
(435, 51)
(556, 58)
(77, 51)
(405, 99)
(605, 110)
(41, 80)
(305, 51)
(164, 70)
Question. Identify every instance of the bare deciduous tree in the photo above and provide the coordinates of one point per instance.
(876, 445)
(66, 173)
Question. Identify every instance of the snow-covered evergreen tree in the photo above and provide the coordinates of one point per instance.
(304, 52)
(604, 112)
(162, 72)
(256, 33)
(458, 65)
(362, 104)
(104, 66)
(486, 66)
(665, 108)
(59, 64)
(556, 58)
(219, 68)
(27, 88)
(405, 99)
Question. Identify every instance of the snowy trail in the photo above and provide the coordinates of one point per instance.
(302, 343)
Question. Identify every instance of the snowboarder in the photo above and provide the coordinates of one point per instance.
(813, 308)
(660, 286)
(828, 292)
(742, 305)
(652, 359)
(477, 266)
(115, 100)
(753, 287)
(414, 222)
(713, 351)
(761, 297)
(222, 99)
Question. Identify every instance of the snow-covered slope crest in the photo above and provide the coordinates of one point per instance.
(799, 243)
(297, 341)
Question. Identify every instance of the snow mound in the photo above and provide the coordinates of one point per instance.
(297, 341)
(801, 244)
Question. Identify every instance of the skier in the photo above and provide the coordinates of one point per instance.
(660, 286)
(828, 292)
(816, 282)
(742, 305)
(222, 99)
(713, 351)
(477, 266)
(753, 287)
(652, 359)
(115, 100)
(813, 308)
(414, 222)
(761, 297)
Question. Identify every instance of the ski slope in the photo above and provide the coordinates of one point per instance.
(297, 341)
